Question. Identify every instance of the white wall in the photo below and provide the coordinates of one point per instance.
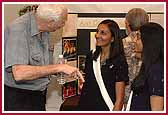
(113, 8)
(11, 10)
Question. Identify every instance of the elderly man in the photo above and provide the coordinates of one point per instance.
(27, 67)
(135, 18)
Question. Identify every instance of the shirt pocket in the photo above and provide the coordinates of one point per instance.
(36, 59)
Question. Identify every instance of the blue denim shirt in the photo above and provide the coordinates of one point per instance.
(25, 45)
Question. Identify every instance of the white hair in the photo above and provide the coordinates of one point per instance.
(55, 12)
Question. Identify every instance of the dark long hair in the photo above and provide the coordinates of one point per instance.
(116, 47)
(152, 36)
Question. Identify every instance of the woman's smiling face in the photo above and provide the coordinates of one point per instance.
(103, 35)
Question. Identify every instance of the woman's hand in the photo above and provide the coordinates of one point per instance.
(70, 70)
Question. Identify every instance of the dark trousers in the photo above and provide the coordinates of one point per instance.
(23, 100)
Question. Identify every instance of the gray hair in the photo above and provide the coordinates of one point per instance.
(55, 12)
(137, 17)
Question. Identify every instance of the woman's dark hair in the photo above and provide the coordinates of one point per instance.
(152, 36)
(116, 47)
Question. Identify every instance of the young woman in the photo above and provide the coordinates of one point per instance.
(113, 67)
(148, 86)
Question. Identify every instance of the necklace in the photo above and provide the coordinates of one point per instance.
(103, 62)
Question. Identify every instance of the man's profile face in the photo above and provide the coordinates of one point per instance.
(127, 28)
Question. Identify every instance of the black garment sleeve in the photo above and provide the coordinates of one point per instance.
(122, 71)
(156, 81)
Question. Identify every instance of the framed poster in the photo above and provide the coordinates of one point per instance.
(81, 63)
(69, 48)
(69, 89)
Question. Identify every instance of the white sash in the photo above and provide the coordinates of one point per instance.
(104, 93)
(129, 101)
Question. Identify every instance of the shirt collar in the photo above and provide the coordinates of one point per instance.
(34, 29)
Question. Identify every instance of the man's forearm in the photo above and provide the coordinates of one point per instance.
(28, 72)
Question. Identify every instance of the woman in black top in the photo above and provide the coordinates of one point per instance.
(114, 70)
(148, 86)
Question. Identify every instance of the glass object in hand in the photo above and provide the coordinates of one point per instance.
(61, 79)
